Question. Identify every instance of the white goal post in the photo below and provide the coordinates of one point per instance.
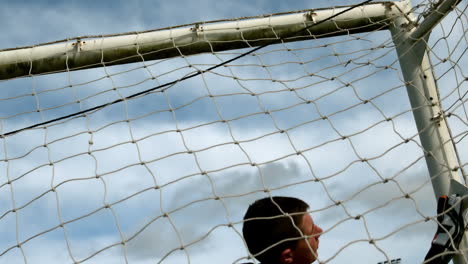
(146, 147)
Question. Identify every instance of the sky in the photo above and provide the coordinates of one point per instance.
(162, 171)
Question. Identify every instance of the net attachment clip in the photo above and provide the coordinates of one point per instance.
(77, 46)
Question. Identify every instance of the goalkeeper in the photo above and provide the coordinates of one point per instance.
(278, 230)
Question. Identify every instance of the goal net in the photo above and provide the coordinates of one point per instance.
(151, 150)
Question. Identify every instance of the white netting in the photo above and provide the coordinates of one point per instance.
(166, 177)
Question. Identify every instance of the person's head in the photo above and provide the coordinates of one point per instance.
(266, 225)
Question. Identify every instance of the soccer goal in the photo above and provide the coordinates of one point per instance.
(147, 147)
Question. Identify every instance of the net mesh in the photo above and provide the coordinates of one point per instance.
(166, 177)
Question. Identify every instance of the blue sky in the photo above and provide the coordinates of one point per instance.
(195, 218)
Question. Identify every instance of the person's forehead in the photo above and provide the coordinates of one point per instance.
(307, 220)
(307, 224)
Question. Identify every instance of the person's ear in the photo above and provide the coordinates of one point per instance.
(286, 256)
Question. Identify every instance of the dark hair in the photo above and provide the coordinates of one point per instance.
(260, 234)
